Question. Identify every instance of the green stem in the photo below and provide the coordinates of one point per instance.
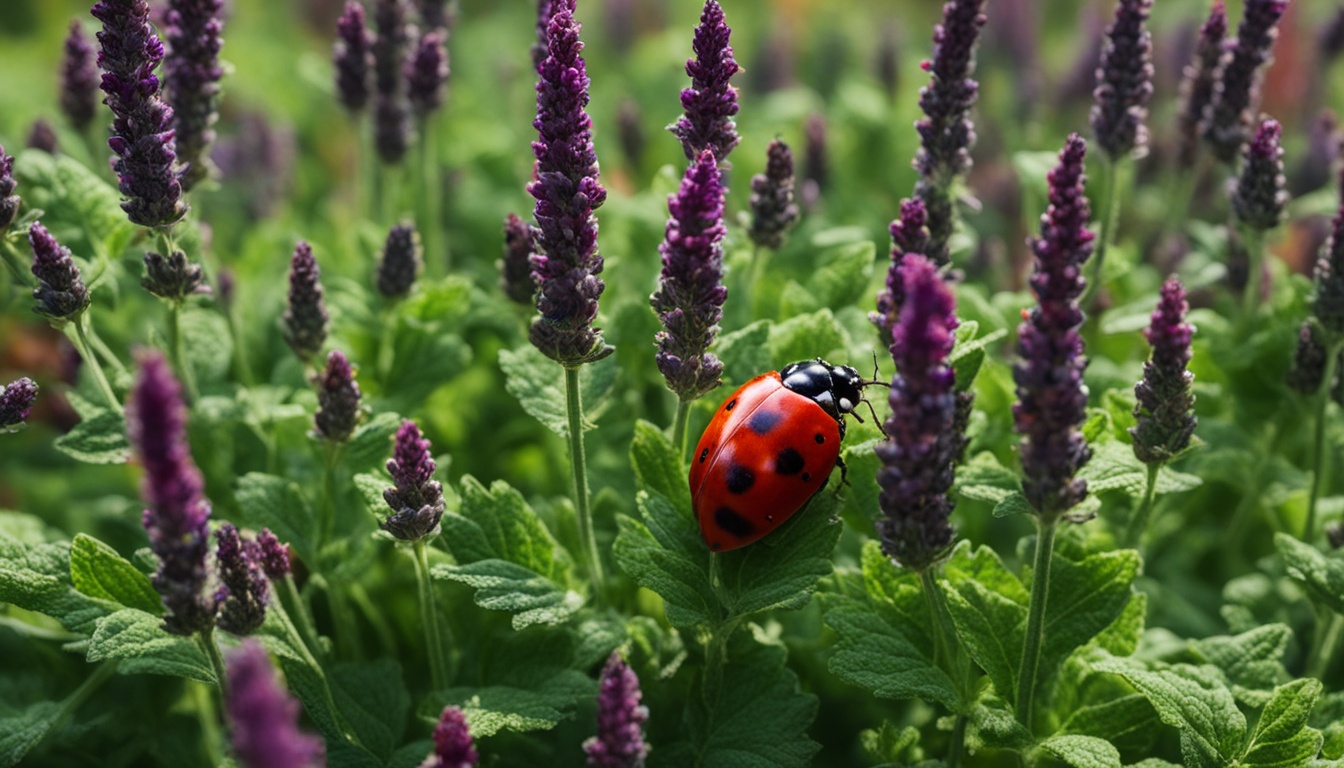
(587, 540)
(16, 264)
(72, 703)
(429, 616)
(326, 524)
(347, 631)
(81, 341)
(431, 196)
(177, 350)
(1031, 647)
(679, 427)
(292, 603)
(1319, 448)
(1138, 524)
(754, 274)
(104, 351)
(1327, 639)
(945, 653)
(1253, 240)
(206, 639)
(958, 746)
(1110, 207)
(240, 364)
(300, 644)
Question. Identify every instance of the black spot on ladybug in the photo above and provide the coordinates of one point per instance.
(740, 479)
(716, 546)
(820, 438)
(789, 462)
(704, 454)
(764, 420)
(730, 405)
(732, 523)
(806, 477)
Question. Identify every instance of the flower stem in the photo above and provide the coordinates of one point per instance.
(574, 410)
(1320, 449)
(1328, 627)
(1110, 207)
(431, 196)
(679, 427)
(1253, 240)
(206, 639)
(945, 653)
(1138, 524)
(15, 263)
(81, 341)
(301, 645)
(292, 602)
(99, 346)
(1031, 647)
(429, 616)
(177, 349)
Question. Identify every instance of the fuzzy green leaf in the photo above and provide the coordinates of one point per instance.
(898, 590)
(662, 552)
(374, 701)
(1113, 720)
(657, 468)
(744, 352)
(1282, 738)
(97, 439)
(989, 611)
(504, 586)
(36, 577)
(81, 208)
(842, 275)
(1252, 660)
(890, 745)
(307, 685)
(1323, 577)
(983, 478)
(803, 337)
(1083, 751)
(782, 570)
(992, 724)
(371, 444)
(1085, 598)
(1193, 699)
(145, 647)
(207, 344)
(270, 501)
(969, 353)
(98, 571)
(20, 732)
(538, 383)
(1114, 466)
(499, 524)
(874, 654)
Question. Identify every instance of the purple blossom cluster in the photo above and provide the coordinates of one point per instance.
(173, 277)
(711, 101)
(427, 72)
(191, 81)
(60, 291)
(1259, 194)
(244, 592)
(1124, 82)
(353, 57)
(1328, 303)
(391, 107)
(516, 266)
(263, 718)
(16, 402)
(1227, 118)
(337, 400)
(453, 747)
(1199, 81)
(1164, 404)
(773, 211)
(909, 234)
(9, 202)
(619, 742)
(400, 263)
(417, 498)
(79, 79)
(305, 318)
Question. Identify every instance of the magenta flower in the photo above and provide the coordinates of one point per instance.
(1259, 194)
(305, 317)
(453, 747)
(1227, 119)
(400, 263)
(619, 742)
(909, 234)
(427, 72)
(337, 400)
(711, 101)
(391, 108)
(274, 555)
(244, 592)
(1198, 84)
(1165, 405)
(172, 278)
(16, 402)
(1124, 82)
(516, 267)
(1328, 303)
(79, 79)
(191, 81)
(417, 498)
(264, 718)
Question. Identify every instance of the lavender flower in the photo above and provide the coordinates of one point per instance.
(60, 292)
(244, 593)
(1328, 303)
(9, 202)
(142, 131)
(519, 239)
(177, 514)
(1165, 405)
(353, 57)
(710, 102)
(400, 263)
(541, 47)
(274, 556)
(1052, 398)
(337, 400)
(427, 73)
(1331, 41)
(172, 278)
(1228, 118)
(1307, 372)
(909, 234)
(922, 442)
(79, 79)
(816, 169)
(305, 317)
(417, 500)
(1200, 81)
(567, 191)
(619, 742)
(773, 211)
(16, 402)
(438, 14)
(1259, 195)
(452, 742)
(42, 137)
(946, 132)
(391, 109)
(689, 299)
(191, 79)
(264, 718)
(1124, 82)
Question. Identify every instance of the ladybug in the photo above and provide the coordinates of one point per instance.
(769, 449)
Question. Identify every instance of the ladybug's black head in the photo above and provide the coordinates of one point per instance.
(838, 389)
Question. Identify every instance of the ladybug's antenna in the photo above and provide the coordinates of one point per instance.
(876, 420)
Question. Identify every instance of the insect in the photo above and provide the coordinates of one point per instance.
(770, 447)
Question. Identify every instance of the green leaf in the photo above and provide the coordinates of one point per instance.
(969, 353)
(1282, 738)
(1252, 660)
(81, 208)
(1013, 504)
(21, 732)
(374, 701)
(782, 570)
(270, 501)
(983, 478)
(662, 552)
(538, 383)
(371, 444)
(1323, 577)
(992, 724)
(890, 745)
(427, 350)
(36, 577)
(98, 571)
(898, 590)
(803, 337)
(97, 439)
(657, 466)
(499, 524)
(504, 586)
(989, 611)
(1083, 751)
(206, 343)
(1193, 699)
(1115, 720)
(744, 352)
(145, 647)
(874, 654)
(1085, 597)
(842, 275)
(309, 687)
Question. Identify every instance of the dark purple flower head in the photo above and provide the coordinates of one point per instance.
(452, 742)
(619, 742)
(417, 499)
(177, 514)
(438, 14)
(1124, 82)
(1259, 194)
(923, 442)
(16, 402)
(244, 592)
(1328, 303)
(566, 265)
(305, 317)
(1331, 41)
(541, 47)
(816, 168)
(888, 59)
(173, 278)
(1201, 77)
(1052, 399)
(9, 202)
(263, 717)
(353, 57)
(516, 268)
(400, 263)
(274, 555)
(42, 137)
(191, 81)
(1227, 119)
(773, 211)
(226, 288)
(337, 400)
(909, 234)
(427, 72)
(79, 79)
(392, 109)
(392, 128)
(689, 299)
(1165, 406)
(710, 102)
(1334, 533)
(142, 130)
(60, 292)
(1308, 369)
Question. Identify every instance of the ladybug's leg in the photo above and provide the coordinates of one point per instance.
(844, 471)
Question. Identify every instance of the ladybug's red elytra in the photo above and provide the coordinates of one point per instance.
(769, 448)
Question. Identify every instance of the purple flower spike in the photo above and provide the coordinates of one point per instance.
(79, 79)
(60, 291)
(1124, 82)
(1227, 119)
(191, 80)
(710, 102)
(400, 263)
(244, 593)
(392, 109)
(567, 191)
(1328, 303)
(417, 499)
(427, 73)
(923, 441)
(274, 555)
(16, 402)
(1165, 407)
(541, 47)
(142, 131)
(1052, 399)
(773, 211)
(1307, 372)
(1198, 84)
(1259, 195)
(353, 57)
(177, 514)
(9, 202)
(452, 742)
(172, 278)
(689, 299)
(909, 234)
(337, 400)
(305, 317)
(264, 718)
(41, 136)
(816, 169)
(619, 742)
(519, 242)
